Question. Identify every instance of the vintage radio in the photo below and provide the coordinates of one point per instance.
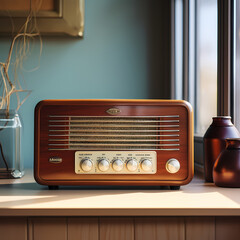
(113, 142)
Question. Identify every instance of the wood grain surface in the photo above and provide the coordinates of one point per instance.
(198, 228)
(227, 228)
(41, 228)
(13, 228)
(117, 228)
(83, 228)
(164, 228)
(47, 173)
(120, 228)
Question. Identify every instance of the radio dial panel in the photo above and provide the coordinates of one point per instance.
(115, 162)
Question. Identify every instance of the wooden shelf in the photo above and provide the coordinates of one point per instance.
(24, 197)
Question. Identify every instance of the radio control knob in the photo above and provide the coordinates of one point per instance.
(132, 165)
(146, 165)
(103, 165)
(117, 165)
(86, 165)
(173, 165)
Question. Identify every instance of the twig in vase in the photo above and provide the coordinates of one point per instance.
(20, 43)
(3, 157)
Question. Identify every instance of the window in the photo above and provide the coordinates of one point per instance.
(206, 64)
(210, 74)
(195, 63)
(196, 58)
(236, 63)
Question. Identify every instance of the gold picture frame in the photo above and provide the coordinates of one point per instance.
(66, 18)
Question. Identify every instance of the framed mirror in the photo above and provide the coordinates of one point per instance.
(53, 17)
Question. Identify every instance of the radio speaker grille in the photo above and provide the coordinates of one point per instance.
(114, 133)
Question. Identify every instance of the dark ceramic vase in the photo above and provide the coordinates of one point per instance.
(226, 170)
(214, 142)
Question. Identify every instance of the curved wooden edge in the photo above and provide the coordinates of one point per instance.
(120, 212)
(119, 101)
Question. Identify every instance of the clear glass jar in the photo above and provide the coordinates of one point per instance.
(11, 165)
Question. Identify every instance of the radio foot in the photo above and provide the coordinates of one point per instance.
(53, 187)
(174, 187)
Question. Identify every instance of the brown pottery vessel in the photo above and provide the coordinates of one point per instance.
(214, 142)
(226, 171)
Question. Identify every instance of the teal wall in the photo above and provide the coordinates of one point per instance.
(115, 59)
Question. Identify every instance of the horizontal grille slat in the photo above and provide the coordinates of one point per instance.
(114, 140)
(115, 126)
(113, 148)
(111, 135)
(110, 144)
(123, 133)
(118, 121)
(113, 117)
(109, 130)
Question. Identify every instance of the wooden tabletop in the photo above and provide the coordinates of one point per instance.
(24, 197)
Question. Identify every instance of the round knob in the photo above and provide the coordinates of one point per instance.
(172, 165)
(103, 165)
(86, 165)
(132, 165)
(146, 165)
(117, 165)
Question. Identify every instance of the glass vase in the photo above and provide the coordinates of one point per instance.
(11, 165)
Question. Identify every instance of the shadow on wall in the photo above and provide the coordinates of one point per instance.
(124, 54)
(159, 49)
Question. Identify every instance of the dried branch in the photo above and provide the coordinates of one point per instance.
(20, 42)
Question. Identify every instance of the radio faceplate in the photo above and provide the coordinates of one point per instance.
(115, 162)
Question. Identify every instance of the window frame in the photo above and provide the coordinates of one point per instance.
(225, 58)
(236, 61)
(225, 68)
